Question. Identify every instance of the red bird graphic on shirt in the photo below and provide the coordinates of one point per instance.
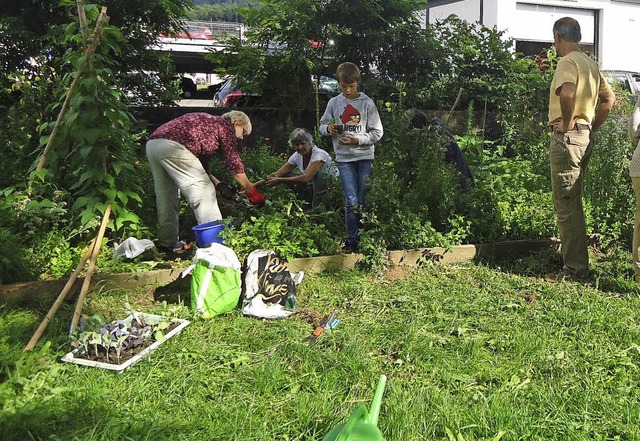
(350, 115)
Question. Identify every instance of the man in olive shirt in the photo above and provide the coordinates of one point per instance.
(575, 90)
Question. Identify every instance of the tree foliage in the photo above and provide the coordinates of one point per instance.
(218, 11)
(31, 36)
(290, 40)
(94, 161)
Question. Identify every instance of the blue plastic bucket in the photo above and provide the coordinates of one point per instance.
(208, 233)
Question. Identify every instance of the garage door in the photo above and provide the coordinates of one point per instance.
(535, 22)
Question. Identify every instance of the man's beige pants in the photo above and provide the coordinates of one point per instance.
(570, 153)
(636, 230)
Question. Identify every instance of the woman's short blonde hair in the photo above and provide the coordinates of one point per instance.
(238, 117)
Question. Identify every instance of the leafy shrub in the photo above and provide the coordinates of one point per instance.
(45, 240)
(608, 190)
(14, 264)
(52, 255)
(285, 229)
(414, 198)
(481, 63)
(285, 224)
(93, 157)
(527, 215)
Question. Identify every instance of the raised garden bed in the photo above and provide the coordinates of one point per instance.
(30, 293)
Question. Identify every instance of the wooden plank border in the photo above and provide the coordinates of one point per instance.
(43, 292)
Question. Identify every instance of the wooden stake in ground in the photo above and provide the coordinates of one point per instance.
(455, 104)
(92, 267)
(54, 308)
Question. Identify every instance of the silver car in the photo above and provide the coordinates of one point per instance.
(629, 81)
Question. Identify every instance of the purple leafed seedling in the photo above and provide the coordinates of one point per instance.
(119, 337)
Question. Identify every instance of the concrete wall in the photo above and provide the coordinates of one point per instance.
(620, 36)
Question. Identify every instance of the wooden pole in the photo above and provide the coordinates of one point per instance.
(455, 104)
(92, 267)
(54, 308)
(82, 18)
(102, 19)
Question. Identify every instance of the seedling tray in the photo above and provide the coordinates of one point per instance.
(71, 357)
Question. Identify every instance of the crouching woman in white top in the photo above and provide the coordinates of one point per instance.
(634, 172)
(314, 165)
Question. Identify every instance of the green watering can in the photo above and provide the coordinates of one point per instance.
(361, 426)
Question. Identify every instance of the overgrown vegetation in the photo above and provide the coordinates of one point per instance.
(473, 351)
(414, 198)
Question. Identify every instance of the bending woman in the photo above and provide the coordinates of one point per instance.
(180, 153)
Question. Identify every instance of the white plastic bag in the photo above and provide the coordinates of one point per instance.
(132, 247)
(269, 287)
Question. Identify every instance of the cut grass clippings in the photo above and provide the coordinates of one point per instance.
(471, 352)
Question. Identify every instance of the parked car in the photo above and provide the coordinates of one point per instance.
(629, 81)
(327, 84)
(229, 95)
(147, 88)
(143, 88)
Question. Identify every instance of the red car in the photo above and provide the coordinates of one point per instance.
(228, 95)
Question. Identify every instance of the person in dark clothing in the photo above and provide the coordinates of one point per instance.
(453, 154)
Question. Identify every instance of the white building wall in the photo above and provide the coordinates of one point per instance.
(532, 20)
(491, 13)
(467, 10)
(621, 34)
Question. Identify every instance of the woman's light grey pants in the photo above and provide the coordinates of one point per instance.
(176, 170)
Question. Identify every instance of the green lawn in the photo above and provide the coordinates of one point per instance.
(471, 351)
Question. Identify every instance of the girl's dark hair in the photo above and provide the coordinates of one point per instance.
(419, 120)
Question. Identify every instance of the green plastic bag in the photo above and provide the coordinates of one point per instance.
(215, 281)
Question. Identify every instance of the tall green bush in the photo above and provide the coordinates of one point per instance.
(608, 190)
(94, 161)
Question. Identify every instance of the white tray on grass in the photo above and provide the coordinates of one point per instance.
(70, 357)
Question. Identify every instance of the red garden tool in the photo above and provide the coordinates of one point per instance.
(328, 322)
